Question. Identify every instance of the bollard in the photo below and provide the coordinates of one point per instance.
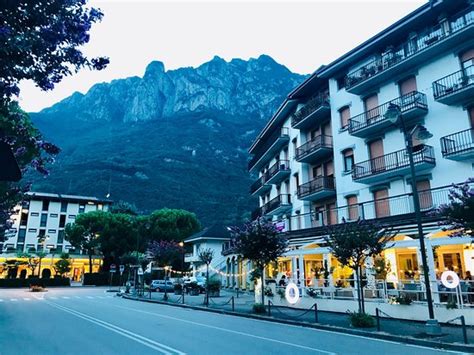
(237, 292)
(377, 318)
(182, 296)
(269, 308)
(316, 313)
(233, 306)
(464, 331)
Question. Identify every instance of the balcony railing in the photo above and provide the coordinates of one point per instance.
(258, 184)
(393, 162)
(316, 185)
(282, 200)
(460, 144)
(279, 166)
(376, 116)
(408, 49)
(393, 210)
(455, 83)
(313, 104)
(318, 142)
(269, 142)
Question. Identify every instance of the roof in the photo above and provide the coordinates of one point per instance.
(215, 232)
(64, 197)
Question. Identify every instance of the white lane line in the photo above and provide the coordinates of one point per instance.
(1, 300)
(90, 297)
(164, 349)
(53, 298)
(66, 297)
(27, 299)
(231, 331)
(13, 299)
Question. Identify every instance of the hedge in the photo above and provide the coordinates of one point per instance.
(16, 283)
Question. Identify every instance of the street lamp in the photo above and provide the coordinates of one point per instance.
(393, 114)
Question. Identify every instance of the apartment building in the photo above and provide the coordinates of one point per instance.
(332, 152)
(39, 222)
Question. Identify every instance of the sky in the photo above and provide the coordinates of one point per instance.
(300, 34)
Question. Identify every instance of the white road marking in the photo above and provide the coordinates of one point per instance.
(232, 331)
(66, 297)
(164, 349)
(27, 299)
(13, 299)
(1, 300)
(90, 297)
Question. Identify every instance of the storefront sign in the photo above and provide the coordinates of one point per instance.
(280, 226)
(450, 279)
(292, 293)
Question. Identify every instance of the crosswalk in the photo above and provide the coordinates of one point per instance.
(53, 298)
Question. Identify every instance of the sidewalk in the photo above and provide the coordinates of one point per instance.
(244, 302)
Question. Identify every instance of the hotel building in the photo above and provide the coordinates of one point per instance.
(39, 222)
(330, 151)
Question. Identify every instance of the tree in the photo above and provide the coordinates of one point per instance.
(352, 243)
(171, 224)
(39, 41)
(206, 256)
(84, 233)
(63, 265)
(124, 208)
(458, 214)
(32, 261)
(260, 242)
(165, 254)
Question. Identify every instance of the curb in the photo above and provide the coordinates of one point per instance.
(332, 328)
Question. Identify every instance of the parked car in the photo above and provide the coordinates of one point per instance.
(199, 280)
(161, 286)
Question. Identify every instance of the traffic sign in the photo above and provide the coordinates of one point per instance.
(113, 268)
(121, 268)
(140, 271)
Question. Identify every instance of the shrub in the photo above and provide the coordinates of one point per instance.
(361, 320)
(451, 304)
(281, 293)
(404, 299)
(178, 287)
(268, 292)
(214, 285)
(259, 308)
(36, 288)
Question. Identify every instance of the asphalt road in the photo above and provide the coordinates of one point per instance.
(92, 321)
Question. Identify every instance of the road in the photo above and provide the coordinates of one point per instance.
(89, 320)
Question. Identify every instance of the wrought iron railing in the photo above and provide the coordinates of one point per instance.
(393, 161)
(411, 47)
(314, 103)
(320, 141)
(282, 199)
(453, 83)
(279, 133)
(257, 184)
(456, 143)
(280, 165)
(406, 102)
(318, 184)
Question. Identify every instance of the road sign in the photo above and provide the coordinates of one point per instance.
(140, 271)
(121, 268)
(113, 268)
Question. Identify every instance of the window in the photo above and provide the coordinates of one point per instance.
(34, 214)
(62, 221)
(71, 216)
(382, 206)
(24, 218)
(51, 231)
(32, 230)
(19, 247)
(471, 115)
(82, 208)
(424, 194)
(63, 206)
(294, 142)
(21, 236)
(297, 179)
(348, 155)
(341, 82)
(467, 58)
(407, 85)
(45, 205)
(352, 208)
(60, 237)
(59, 248)
(344, 114)
(371, 104)
(44, 219)
(53, 215)
(100, 207)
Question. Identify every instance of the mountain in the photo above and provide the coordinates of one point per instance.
(172, 138)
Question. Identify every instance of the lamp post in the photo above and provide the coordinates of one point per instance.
(393, 114)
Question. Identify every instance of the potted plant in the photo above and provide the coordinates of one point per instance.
(194, 289)
(178, 289)
(214, 288)
(268, 292)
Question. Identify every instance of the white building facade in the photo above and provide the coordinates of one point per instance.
(331, 152)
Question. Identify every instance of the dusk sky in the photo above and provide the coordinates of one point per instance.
(301, 35)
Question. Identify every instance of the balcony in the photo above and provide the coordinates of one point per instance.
(317, 148)
(459, 146)
(256, 213)
(272, 146)
(317, 189)
(412, 106)
(379, 169)
(311, 114)
(396, 61)
(278, 172)
(190, 257)
(277, 205)
(395, 210)
(260, 186)
(456, 88)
